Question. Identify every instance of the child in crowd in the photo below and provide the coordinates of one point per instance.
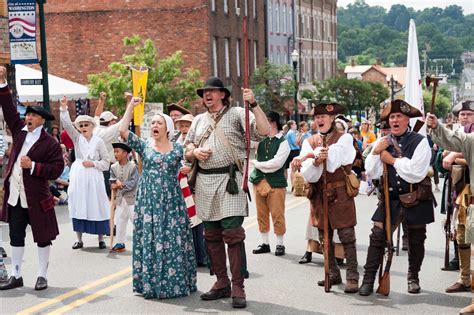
(123, 179)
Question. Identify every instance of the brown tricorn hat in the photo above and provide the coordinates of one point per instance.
(463, 105)
(179, 108)
(328, 109)
(399, 106)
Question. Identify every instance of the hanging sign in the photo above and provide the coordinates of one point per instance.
(22, 30)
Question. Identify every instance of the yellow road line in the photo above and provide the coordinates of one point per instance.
(91, 297)
(69, 294)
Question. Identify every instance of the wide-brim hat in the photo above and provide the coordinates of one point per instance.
(399, 106)
(274, 116)
(84, 118)
(187, 117)
(213, 83)
(328, 109)
(122, 146)
(179, 108)
(463, 105)
(39, 110)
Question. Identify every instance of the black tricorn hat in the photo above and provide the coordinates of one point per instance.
(342, 117)
(122, 146)
(328, 109)
(213, 83)
(39, 110)
(179, 108)
(464, 105)
(382, 125)
(399, 106)
(274, 116)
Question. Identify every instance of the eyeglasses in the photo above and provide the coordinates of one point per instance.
(84, 125)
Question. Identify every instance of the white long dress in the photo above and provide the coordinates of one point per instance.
(88, 203)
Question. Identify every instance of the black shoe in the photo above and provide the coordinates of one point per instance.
(454, 264)
(238, 302)
(307, 257)
(333, 281)
(339, 261)
(41, 284)
(102, 245)
(264, 248)
(215, 294)
(246, 274)
(200, 265)
(280, 250)
(414, 286)
(78, 245)
(366, 289)
(3, 252)
(12, 283)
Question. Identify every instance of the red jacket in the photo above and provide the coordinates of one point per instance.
(49, 164)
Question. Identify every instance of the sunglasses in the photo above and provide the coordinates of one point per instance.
(84, 125)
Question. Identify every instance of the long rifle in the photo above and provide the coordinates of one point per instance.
(327, 280)
(384, 280)
(245, 175)
(447, 224)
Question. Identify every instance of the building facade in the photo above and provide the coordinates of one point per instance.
(4, 46)
(280, 26)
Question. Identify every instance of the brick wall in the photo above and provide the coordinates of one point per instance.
(85, 36)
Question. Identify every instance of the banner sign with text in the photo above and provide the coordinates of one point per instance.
(22, 30)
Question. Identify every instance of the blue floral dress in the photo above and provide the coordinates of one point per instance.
(164, 265)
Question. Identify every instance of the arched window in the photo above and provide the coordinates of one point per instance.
(277, 17)
(270, 14)
(283, 16)
(290, 20)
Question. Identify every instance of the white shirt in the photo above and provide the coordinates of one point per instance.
(109, 134)
(412, 170)
(277, 161)
(17, 188)
(339, 154)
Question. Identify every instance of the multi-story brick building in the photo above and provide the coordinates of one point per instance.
(280, 30)
(85, 36)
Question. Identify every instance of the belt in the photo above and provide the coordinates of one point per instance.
(231, 187)
(219, 170)
(333, 185)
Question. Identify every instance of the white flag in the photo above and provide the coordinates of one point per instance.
(413, 93)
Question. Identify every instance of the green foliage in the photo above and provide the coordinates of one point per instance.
(356, 95)
(442, 101)
(273, 85)
(168, 80)
(369, 32)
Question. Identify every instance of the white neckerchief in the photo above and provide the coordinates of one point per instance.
(86, 148)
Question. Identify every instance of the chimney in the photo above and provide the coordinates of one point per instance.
(353, 62)
(378, 61)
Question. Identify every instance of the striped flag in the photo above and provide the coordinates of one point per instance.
(189, 199)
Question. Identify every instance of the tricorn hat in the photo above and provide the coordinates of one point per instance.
(213, 83)
(399, 106)
(328, 109)
(122, 146)
(39, 110)
(344, 118)
(275, 117)
(179, 108)
(382, 125)
(463, 105)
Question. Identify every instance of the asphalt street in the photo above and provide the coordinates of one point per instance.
(93, 281)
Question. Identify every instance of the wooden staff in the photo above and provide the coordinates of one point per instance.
(327, 280)
(245, 176)
(112, 217)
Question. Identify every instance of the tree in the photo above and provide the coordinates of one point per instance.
(168, 81)
(273, 85)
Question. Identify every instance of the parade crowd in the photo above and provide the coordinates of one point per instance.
(181, 189)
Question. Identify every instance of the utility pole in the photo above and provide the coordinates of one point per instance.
(425, 61)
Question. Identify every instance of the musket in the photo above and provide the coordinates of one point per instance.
(447, 224)
(327, 280)
(384, 280)
(245, 176)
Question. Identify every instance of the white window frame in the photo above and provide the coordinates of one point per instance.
(283, 15)
(214, 57)
(226, 6)
(277, 16)
(270, 16)
(226, 56)
(254, 9)
(213, 5)
(237, 7)
(290, 20)
(246, 8)
(255, 54)
(237, 57)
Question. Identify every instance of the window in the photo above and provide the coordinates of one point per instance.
(277, 17)
(270, 14)
(237, 7)
(254, 9)
(319, 28)
(246, 8)
(237, 57)
(283, 16)
(214, 57)
(213, 5)
(285, 58)
(290, 20)
(226, 54)
(226, 6)
(255, 54)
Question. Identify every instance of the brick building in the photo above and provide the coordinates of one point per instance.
(4, 46)
(85, 36)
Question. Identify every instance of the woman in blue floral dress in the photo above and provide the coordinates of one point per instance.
(164, 265)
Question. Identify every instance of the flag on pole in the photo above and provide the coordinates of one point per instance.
(413, 92)
(139, 81)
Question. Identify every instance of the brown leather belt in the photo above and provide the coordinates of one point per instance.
(333, 185)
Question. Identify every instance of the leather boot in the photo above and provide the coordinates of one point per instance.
(234, 238)
(216, 253)
(416, 253)
(348, 239)
(374, 256)
(334, 271)
(464, 282)
(468, 309)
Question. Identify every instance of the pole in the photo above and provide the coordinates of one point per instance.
(295, 63)
(44, 59)
(392, 87)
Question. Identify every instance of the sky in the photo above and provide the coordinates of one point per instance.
(467, 5)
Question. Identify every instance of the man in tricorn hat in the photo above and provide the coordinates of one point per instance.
(215, 138)
(407, 155)
(329, 164)
(269, 185)
(35, 158)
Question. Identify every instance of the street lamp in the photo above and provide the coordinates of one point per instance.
(294, 57)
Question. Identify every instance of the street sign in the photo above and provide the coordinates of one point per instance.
(31, 81)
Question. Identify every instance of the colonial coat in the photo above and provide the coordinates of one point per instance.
(49, 164)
